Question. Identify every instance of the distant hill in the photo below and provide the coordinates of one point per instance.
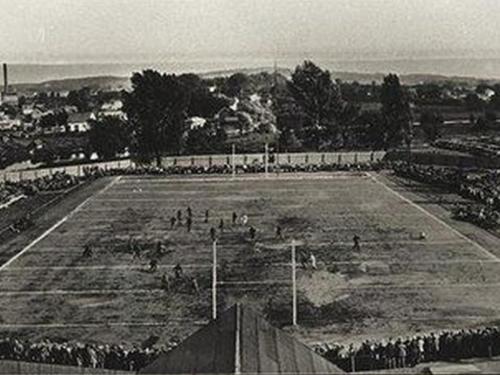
(96, 83)
(119, 83)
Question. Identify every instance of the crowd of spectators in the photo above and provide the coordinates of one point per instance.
(112, 357)
(53, 182)
(480, 215)
(8, 192)
(481, 186)
(410, 351)
(228, 169)
(479, 146)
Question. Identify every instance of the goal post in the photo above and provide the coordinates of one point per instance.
(214, 280)
(294, 285)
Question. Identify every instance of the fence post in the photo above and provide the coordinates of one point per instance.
(306, 159)
(175, 161)
(228, 160)
(192, 160)
(20, 175)
(339, 159)
(372, 156)
(322, 158)
(356, 158)
(353, 363)
(289, 159)
(245, 159)
(210, 161)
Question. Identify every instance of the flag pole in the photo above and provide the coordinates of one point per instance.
(294, 286)
(214, 281)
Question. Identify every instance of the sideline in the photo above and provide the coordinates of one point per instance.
(56, 225)
(435, 218)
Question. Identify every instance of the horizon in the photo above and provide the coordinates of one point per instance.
(66, 32)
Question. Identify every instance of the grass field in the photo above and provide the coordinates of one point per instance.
(396, 284)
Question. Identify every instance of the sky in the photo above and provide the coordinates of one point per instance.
(136, 30)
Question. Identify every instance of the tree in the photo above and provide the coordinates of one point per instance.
(108, 137)
(396, 112)
(202, 102)
(431, 123)
(347, 123)
(236, 84)
(156, 108)
(371, 129)
(319, 97)
(208, 139)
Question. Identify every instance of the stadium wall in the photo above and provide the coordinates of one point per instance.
(207, 160)
(25, 368)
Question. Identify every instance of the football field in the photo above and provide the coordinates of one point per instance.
(396, 283)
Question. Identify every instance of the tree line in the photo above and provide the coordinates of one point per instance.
(311, 114)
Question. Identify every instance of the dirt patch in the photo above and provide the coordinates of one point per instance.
(322, 287)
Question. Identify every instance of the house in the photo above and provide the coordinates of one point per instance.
(10, 98)
(112, 109)
(227, 118)
(8, 124)
(195, 122)
(79, 122)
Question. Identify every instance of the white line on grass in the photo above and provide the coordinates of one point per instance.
(230, 179)
(461, 235)
(56, 225)
(269, 247)
(353, 288)
(276, 264)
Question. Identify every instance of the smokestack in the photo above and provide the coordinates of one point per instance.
(5, 79)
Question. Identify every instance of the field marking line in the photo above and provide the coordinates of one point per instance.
(443, 223)
(276, 264)
(230, 179)
(352, 287)
(56, 225)
(230, 247)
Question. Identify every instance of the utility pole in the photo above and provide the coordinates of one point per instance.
(214, 281)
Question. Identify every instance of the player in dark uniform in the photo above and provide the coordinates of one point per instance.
(221, 225)
(165, 283)
(252, 232)
(87, 251)
(235, 217)
(279, 233)
(356, 245)
(178, 272)
(136, 251)
(153, 265)
(206, 216)
(179, 217)
(159, 249)
(189, 212)
(189, 222)
(172, 222)
(213, 235)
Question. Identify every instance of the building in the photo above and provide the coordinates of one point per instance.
(241, 341)
(112, 109)
(80, 122)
